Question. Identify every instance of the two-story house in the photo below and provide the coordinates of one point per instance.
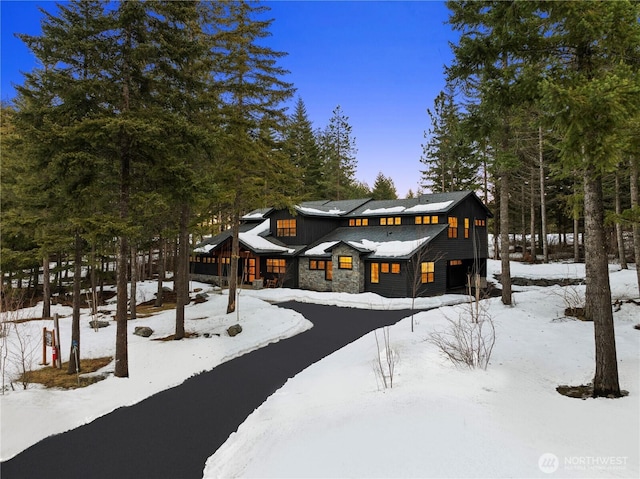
(397, 248)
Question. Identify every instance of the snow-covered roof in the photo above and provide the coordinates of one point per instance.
(429, 207)
(204, 248)
(320, 249)
(254, 239)
(389, 249)
(315, 211)
(419, 208)
(384, 211)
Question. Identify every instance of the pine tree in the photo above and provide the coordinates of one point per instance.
(383, 188)
(448, 155)
(592, 92)
(302, 149)
(338, 152)
(252, 93)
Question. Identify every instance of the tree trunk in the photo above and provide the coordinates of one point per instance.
(134, 282)
(635, 204)
(235, 254)
(598, 290)
(532, 217)
(158, 302)
(181, 272)
(74, 353)
(46, 288)
(122, 356)
(504, 239)
(619, 233)
(543, 201)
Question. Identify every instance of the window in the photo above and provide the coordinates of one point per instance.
(455, 262)
(316, 264)
(396, 220)
(466, 227)
(453, 227)
(395, 268)
(286, 227)
(481, 223)
(385, 267)
(359, 222)
(278, 266)
(328, 272)
(427, 271)
(345, 262)
(434, 220)
(375, 273)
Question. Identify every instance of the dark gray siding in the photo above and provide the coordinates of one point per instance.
(308, 228)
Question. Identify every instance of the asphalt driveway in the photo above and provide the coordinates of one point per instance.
(171, 434)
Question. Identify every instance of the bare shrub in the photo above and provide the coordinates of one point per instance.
(574, 301)
(385, 362)
(469, 339)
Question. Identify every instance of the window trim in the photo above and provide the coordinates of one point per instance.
(345, 262)
(427, 272)
(287, 227)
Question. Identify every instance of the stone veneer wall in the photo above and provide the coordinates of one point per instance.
(347, 280)
(313, 280)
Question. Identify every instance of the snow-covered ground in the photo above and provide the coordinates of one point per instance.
(335, 420)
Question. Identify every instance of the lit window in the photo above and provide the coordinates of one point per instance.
(278, 266)
(427, 271)
(397, 220)
(395, 268)
(286, 227)
(481, 223)
(345, 262)
(384, 267)
(466, 227)
(453, 227)
(455, 262)
(434, 220)
(383, 221)
(418, 220)
(328, 272)
(358, 222)
(316, 264)
(365, 222)
(375, 273)
(352, 222)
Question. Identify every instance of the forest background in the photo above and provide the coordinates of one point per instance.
(149, 125)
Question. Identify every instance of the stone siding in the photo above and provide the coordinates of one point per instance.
(313, 280)
(347, 280)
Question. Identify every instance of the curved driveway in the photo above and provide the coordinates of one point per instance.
(171, 434)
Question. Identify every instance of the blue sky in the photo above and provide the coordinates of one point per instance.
(382, 62)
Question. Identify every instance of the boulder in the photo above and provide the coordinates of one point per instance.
(234, 330)
(144, 331)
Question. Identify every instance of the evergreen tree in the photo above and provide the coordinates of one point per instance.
(302, 149)
(338, 151)
(57, 106)
(448, 155)
(252, 93)
(592, 92)
(383, 188)
(490, 69)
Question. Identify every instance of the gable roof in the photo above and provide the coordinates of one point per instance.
(377, 241)
(424, 204)
(330, 208)
(252, 236)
